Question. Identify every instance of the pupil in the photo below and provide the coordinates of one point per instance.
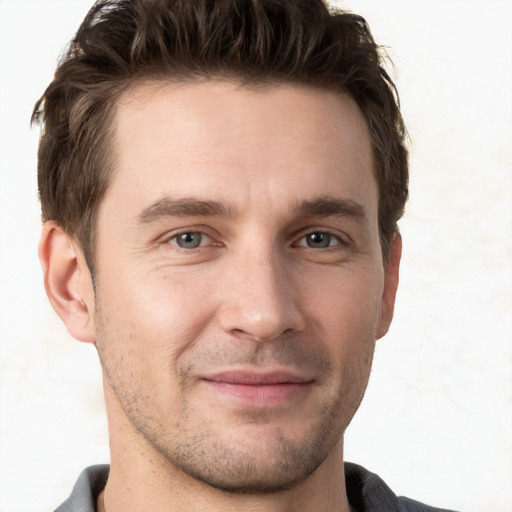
(319, 240)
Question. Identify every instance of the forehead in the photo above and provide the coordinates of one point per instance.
(279, 143)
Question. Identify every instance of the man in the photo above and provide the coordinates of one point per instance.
(221, 184)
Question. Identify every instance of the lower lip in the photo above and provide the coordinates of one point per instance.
(259, 395)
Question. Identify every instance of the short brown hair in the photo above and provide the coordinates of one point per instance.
(121, 42)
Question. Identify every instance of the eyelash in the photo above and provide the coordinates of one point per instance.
(340, 242)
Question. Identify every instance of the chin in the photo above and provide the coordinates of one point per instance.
(264, 463)
(254, 476)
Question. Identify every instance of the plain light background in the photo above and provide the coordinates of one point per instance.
(436, 422)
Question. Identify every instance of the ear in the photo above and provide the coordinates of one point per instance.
(67, 281)
(391, 272)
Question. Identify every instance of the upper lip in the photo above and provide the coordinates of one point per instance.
(257, 378)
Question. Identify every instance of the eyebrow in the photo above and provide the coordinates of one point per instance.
(331, 207)
(186, 207)
(190, 207)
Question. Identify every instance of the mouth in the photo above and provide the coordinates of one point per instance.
(261, 389)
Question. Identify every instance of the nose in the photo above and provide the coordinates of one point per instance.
(261, 299)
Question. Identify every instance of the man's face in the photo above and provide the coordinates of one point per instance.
(239, 278)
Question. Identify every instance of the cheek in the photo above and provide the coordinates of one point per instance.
(347, 314)
(345, 299)
(155, 316)
(144, 328)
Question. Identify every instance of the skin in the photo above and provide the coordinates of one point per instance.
(240, 289)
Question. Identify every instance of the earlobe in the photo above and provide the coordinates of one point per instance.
(67, 281)
(391, 275)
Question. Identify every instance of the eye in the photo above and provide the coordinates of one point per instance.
(190, 240)
(319, 240)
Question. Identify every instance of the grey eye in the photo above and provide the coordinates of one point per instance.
(188, 240)
(319, 240)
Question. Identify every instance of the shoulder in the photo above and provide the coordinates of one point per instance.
(367, 492)
(86, 490)
(408, 505)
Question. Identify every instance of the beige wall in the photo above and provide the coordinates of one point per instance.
(437, 419)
